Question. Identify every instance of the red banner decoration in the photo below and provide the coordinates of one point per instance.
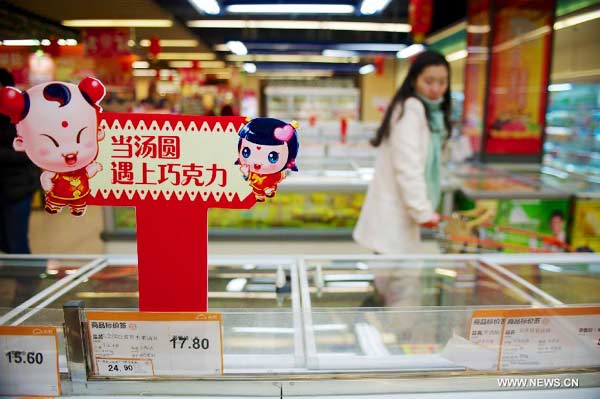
(154, 48)
(106, 42)
(420, 13)
(478, 18)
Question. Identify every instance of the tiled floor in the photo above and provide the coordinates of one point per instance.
(65, 234)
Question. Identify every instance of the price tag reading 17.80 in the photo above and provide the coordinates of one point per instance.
(29, 361)
(155, 344)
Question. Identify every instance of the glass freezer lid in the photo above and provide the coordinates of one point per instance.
(472, 170)
(398, 283)
(397, 313)
(507, 187)
(22, 278)
(570, 283)
(230, 287)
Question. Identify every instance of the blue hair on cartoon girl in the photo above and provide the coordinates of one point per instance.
(267, 150)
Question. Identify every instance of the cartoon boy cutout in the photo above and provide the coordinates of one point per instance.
(57, 127)
(267, 150)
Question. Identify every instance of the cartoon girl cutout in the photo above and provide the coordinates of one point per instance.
(57, 127)
(267, 151)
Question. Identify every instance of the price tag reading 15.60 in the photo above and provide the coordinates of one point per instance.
(155, 344)
(29, 362)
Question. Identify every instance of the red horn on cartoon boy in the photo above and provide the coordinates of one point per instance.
(93, 90)
(12, 103)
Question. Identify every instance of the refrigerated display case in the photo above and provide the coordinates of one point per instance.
(515, 202)
(306, 102)
(584, 217)
(325, 338)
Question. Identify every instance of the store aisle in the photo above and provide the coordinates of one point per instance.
(65, 234)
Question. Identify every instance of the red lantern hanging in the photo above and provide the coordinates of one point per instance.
(154, 48)
(420, 13)
(53, 49)
(378, 62)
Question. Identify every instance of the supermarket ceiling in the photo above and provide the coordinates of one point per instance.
(208, 25)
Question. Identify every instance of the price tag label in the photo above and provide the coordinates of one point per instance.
(29, 361)
(155, 344)
(529, 339)
(125, 367)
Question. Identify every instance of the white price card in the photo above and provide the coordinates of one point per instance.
(530, 339)
(29, 363)
(155, 343)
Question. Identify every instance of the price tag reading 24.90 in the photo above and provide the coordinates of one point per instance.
(155, 344)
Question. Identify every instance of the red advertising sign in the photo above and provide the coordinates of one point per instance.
(520, 62)
(172, 168)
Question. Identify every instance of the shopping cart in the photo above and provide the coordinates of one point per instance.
(464, 233)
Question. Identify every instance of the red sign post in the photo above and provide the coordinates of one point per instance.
(172, 168)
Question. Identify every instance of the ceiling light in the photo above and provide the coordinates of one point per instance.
(366, 69)
(411, 50)
(171, 43)
(577, 19)
(144, 72)
(291, 8)
(294, 73)
(206, 6)
(478, 29)
(71, 42)
(140, 64)
(457, 55)
(292, 58)
(45, 42)
(370, 7)
(237, 47)
(287, 24)
(249, 67)
(131, 42)
(221, 47)
(368, 26)
(371, 47)
(21, 42)
(181, 64)
(127, 23)
(560, 87)
(61, 42)
(339, 53)
(186, 56)
(166, 73)
(211, 64)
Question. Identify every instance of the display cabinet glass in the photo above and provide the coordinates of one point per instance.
(312, 325)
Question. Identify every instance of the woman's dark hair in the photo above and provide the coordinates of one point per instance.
(407, 89)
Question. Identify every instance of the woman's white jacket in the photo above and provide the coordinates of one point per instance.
(396, 201)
